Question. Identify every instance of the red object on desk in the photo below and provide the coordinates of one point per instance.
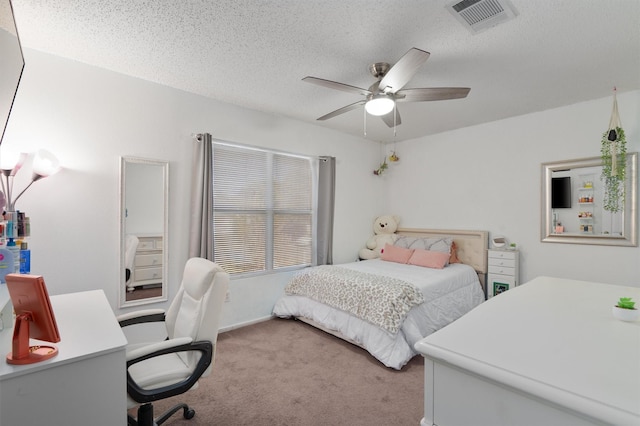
(34, 319)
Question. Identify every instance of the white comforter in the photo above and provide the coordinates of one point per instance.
(449, 293)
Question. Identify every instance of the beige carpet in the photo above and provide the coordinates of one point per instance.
(285, 372)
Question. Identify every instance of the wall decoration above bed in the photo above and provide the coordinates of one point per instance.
(426, 280)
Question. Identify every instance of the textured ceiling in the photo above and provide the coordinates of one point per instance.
(254, 53)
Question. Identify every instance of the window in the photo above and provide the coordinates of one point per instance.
(263, 209)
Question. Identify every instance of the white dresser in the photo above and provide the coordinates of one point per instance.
(148, 262)
(503, 272)
(524, 359)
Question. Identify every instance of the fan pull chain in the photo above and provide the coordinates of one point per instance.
(395, 117)
(365, 122)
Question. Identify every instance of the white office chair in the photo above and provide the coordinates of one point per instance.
(171, 367)
(130, 247)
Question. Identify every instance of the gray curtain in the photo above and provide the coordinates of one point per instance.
(326, 201)
(201, 228)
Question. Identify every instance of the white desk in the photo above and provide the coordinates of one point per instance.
(547, 352)
(85, 384)
(6, 310)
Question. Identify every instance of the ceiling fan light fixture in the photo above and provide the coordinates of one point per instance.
(379, 105)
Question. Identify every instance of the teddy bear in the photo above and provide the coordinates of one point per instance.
(384, 228)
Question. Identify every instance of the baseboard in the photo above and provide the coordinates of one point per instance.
(244, 324)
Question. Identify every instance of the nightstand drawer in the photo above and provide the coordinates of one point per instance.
(145, 244)
(147, 274)
(148, 259)
(511, 263)
(502, 270)
(502, 254)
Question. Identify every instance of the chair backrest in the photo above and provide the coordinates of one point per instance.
(131, 245)
(196, 310)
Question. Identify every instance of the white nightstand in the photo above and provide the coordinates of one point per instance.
(503, 271)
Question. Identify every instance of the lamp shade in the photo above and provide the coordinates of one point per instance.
(9, 159)
(45, 164)
(379, 105)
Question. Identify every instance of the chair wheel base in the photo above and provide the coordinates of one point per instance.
(187, 413)
(145, 415)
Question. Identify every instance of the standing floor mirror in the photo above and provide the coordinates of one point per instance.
(144, 202)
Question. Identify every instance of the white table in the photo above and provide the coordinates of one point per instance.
(546, 352)
(84, 384)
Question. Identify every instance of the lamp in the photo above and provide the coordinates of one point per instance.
(44, 164)
(379, 104)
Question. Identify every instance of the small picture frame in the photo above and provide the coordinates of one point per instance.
(499, 287)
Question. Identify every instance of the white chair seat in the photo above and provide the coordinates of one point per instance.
(159, 371)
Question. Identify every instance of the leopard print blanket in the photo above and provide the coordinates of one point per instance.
(382, 301)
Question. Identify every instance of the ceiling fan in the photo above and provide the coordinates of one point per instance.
(381, 97)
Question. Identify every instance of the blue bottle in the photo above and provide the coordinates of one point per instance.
(25, 259)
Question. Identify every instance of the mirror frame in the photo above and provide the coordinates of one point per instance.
(12, 70)
(165, 252)
(630, 214)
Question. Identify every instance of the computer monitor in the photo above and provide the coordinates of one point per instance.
(34, 319)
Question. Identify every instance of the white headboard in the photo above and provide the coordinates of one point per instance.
(472, 245)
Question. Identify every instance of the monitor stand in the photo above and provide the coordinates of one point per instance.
(23, 353)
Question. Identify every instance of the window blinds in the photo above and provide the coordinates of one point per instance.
(263, 209)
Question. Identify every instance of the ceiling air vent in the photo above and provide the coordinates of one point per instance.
(479, 15)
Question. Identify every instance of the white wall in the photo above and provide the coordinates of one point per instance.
(483, 177)
(489, 177)
(89, 117)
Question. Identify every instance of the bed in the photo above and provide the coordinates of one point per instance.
(422, 299)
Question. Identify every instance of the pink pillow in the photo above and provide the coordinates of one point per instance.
(428, 258)
(395, 254)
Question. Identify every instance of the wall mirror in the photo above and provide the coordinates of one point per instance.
(11, 62)
(572, 204)
(144, 202)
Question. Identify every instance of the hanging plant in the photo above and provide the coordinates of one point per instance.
(383, 166)
(614, 159)
(613, 151)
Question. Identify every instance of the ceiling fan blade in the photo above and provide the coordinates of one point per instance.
(431, 94)
(403, 70)
(388, 118)
(337, 86)
(342, 110)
